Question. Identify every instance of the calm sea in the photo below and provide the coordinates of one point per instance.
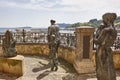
(3, 30)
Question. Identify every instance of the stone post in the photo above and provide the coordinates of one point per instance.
(84, 49)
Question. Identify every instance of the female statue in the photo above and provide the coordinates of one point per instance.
(104, 39)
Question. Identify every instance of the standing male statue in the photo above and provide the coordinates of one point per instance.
(53, 41)
(8, 45)
(104, 39)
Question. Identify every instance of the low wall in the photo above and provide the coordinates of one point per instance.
(33, 48)
(66, 53)
(116, 58)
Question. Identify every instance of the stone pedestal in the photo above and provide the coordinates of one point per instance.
(12, 65)
(84, 50)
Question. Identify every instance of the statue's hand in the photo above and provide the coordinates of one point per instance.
(95, 41)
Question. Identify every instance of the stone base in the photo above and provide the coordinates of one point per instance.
(118, 78)
(12, 65)
(84, 66)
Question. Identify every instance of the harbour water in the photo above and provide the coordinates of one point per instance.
(3, 30)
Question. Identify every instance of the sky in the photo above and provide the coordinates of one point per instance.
(38, 13)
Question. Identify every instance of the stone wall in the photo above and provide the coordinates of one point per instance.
(1, 50)
(116, 58)
(66, 53)
(33, 48)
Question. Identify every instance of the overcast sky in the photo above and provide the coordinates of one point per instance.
(37, 13)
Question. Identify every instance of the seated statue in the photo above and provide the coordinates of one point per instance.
(8, 45)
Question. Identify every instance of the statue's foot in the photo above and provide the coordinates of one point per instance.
(52, 68)
(56, 68)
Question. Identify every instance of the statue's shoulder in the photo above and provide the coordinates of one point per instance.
(50, 27)
(56, 26)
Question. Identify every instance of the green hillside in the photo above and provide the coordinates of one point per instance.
(93, 23)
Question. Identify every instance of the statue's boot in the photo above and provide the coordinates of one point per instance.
(52, 68)
(56, 68)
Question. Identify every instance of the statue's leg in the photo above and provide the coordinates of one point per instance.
(98, 63)
(52, 65)
(56, 63)
(56, 67)
(105, 67)
(111, 69)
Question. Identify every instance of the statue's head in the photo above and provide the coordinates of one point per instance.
(108, 18)
(8, 35)
(52, 22)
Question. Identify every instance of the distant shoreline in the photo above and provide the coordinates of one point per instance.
(62, 30)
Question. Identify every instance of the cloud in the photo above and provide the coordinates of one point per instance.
(61, 5)
(30, 4)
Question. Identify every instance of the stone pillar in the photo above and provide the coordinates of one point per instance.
(84, 50)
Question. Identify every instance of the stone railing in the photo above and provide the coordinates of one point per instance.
(30, 37)
(117, 43)
(66, 39)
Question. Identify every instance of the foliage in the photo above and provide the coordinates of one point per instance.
(63, 25)
(74, 25)
(93, 23)
(117, 24)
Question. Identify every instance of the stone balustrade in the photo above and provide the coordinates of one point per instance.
(67, 39)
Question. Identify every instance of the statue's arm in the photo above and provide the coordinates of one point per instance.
(48, 34)
(100, 34)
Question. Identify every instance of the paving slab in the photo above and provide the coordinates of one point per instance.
(118, 78)
(36, 69)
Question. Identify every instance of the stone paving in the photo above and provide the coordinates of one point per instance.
(36, 68)
(118, 78)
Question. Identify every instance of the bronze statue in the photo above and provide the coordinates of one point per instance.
(104, 39)
(53, 41)
(8, 45)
